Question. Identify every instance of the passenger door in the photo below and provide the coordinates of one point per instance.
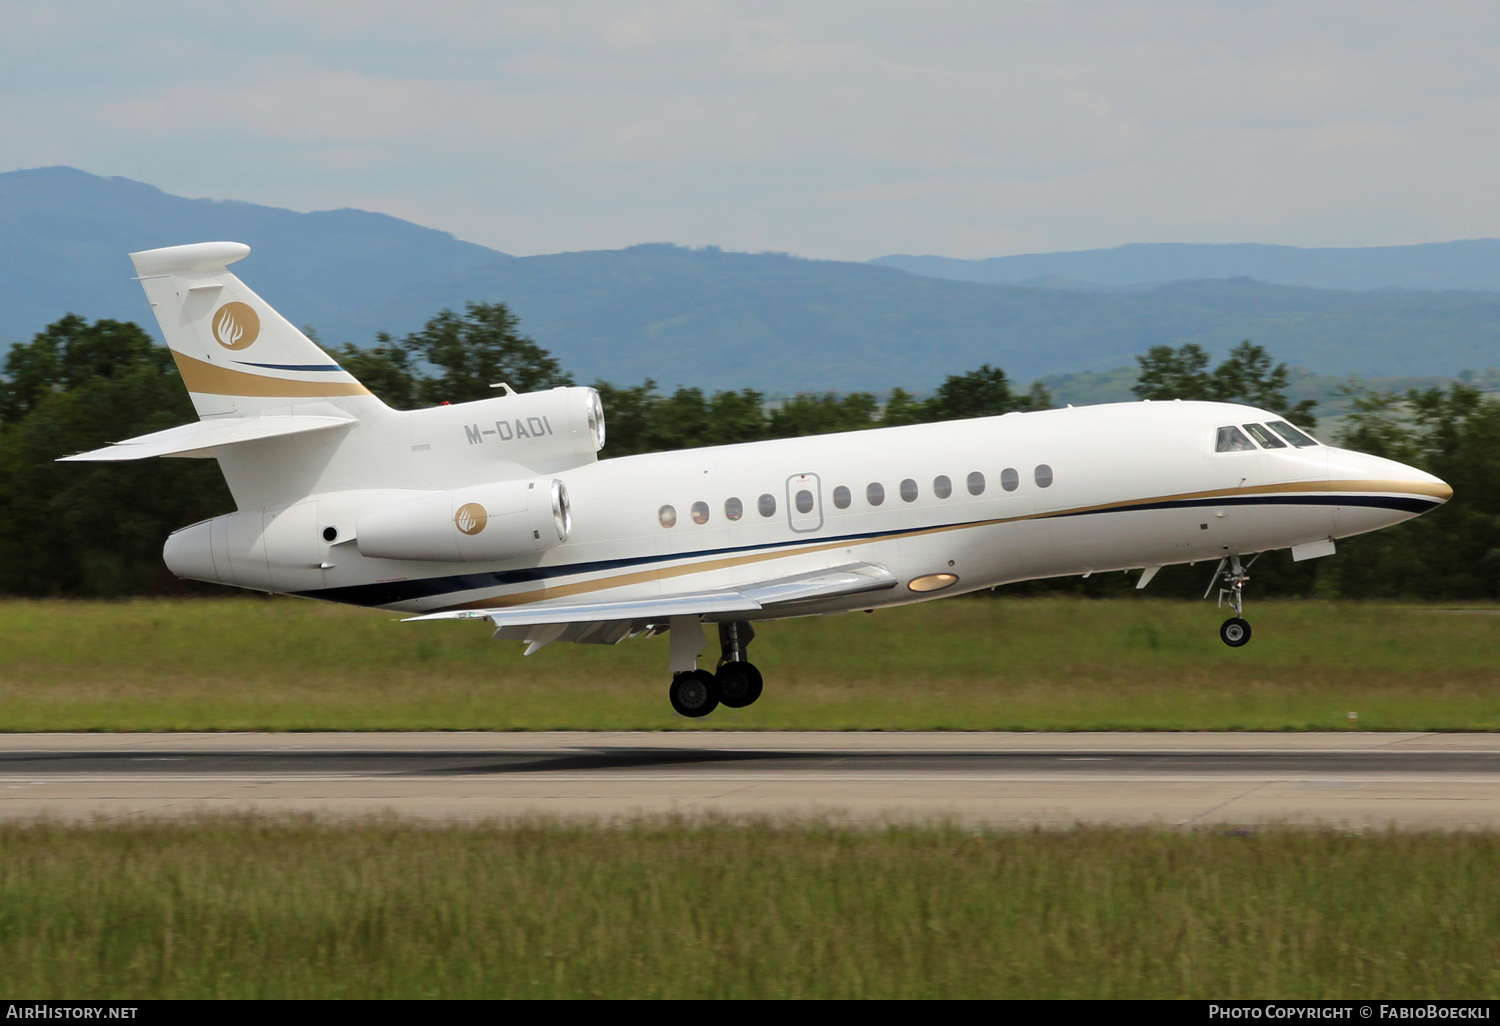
(804, 502)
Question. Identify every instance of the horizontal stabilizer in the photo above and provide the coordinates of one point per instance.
(203, 437)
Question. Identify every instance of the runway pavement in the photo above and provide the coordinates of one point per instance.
(1350, 780)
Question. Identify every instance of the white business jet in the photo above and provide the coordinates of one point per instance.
(501, 510)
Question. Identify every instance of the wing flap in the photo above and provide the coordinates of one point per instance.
(772, 594)
(835, 582)
(697, 603)
(191, 439)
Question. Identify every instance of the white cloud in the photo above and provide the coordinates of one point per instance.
(832, 129)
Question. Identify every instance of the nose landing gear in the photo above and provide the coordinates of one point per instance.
(1234, 631)
(1231, 577)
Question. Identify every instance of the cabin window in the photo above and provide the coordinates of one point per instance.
(1264, 437)
(668, 516)
(976, 483)
(1043, 475)
(941, 486)
(700, 512)
(1291, 434)
(1232, 439)
(841, 497)
(733, 509)
(767, 505)
(804, 501)
(875, 493)
(1009, 479)
(908, 490)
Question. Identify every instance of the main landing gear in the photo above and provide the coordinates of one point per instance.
(736, 682)
(1231, 578)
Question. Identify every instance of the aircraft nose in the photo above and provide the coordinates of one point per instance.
(1381, 492)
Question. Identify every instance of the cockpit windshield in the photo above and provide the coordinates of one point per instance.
(1232, 439)
(1291, 434)
(1264, 437)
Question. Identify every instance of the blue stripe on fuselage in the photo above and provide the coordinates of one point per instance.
(390, 592)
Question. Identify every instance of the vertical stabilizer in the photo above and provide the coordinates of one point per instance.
(237, 356)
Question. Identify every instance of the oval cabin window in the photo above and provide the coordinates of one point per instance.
(875, 493)
(841, 497)
(733, 509)
(908, 490)
(804, 501)
(668, 516)
(1043, 476)
(1009, 479)
(767, 505)
(941, 486)
(976, 483)
(700, 512)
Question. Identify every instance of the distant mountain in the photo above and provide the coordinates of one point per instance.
(779, 323)
(65, 235)
(698, 316)
(1472, 264)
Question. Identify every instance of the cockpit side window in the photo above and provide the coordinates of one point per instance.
(1291, 434)
(1232, 439)
(1264, 437)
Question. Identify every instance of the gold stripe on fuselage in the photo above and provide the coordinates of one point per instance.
(1436, 490)
(210, 379)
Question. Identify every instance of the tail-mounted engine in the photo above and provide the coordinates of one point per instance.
(502, 520)
(512, 435)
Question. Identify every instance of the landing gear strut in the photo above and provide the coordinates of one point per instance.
(739, 681)
(736, 682)
(1231, 578)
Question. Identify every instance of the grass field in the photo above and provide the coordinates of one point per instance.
(972, 664)
(301, 909)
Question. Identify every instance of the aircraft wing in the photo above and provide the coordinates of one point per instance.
(200, 438)
(609, 622)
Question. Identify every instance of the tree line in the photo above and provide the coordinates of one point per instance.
(97, 529)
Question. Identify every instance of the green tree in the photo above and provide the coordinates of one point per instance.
(94, 528)
(902, 408)
(385, 369)
(809, 414)
(1168, 373)
(477, 350)
(1245, 376)
(985, 392)
(70, 353)
(640, 419)
(1451, 552)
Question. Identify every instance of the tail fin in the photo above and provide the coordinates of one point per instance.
(237, 356)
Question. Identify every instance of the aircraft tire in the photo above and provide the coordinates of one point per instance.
(694, 693)
(740, 684)
(1234, 632)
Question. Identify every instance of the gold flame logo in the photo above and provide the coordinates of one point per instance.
(236, 326)
(471, 518)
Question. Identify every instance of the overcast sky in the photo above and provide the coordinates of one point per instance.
(836, 129)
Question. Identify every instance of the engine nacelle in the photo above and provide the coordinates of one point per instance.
(535, 432)
(502, 520)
